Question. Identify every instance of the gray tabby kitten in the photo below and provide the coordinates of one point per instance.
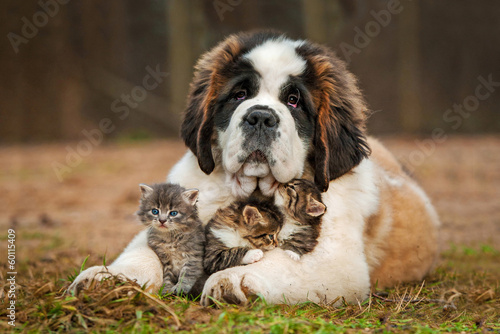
(240, 233)
(302, 206)
(175, 234)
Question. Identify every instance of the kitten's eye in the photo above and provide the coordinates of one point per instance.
(173, 213)
(293, 99)
(155, 211)
(270, 237)
(240, 95)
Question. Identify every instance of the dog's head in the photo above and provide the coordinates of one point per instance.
(264, 108)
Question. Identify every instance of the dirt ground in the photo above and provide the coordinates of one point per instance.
(91, 211)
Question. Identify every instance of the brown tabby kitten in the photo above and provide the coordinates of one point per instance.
(301, 203)
(239, 233)
(175, 234)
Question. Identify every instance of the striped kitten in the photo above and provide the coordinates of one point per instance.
(175, 234)
(301, 203)
(238, 234)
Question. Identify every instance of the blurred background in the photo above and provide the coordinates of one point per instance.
(92, 92)
(64, 63)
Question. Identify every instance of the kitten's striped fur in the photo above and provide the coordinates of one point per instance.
(236, 233)
(177, 240)
(301, 203)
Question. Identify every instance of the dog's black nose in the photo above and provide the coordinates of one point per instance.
(261, 118)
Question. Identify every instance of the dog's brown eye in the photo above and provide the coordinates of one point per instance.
(293, 99)
(240, 95)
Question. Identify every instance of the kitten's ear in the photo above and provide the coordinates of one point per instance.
(145, 190)
(314, 207)
(190, 196)
(251, 215)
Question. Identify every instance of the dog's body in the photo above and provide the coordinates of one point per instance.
(263, 110)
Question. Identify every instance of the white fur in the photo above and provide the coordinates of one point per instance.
(215, 189)
(241, 185)
(230, 237)
(137, 262)
(275, 61)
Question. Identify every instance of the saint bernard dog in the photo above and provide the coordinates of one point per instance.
(264, 109)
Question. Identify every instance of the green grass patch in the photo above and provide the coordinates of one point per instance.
(462, 295)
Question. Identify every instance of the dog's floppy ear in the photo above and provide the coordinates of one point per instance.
(339, 142)
(198, 125)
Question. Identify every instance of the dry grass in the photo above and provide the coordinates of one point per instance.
(454, 298)
(91, 213)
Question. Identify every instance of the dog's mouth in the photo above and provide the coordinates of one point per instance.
(257, 157)
(255, 172)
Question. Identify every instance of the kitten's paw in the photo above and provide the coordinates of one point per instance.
(292, 255)
(252, 256)
(179, 289)
(176, 290)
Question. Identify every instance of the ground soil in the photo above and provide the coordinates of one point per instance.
(91, 211)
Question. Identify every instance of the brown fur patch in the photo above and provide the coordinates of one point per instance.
(402, 238)
(372, 225)
(245, 289)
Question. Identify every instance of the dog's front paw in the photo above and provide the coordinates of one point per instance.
(294, 256)
(83, 280)
(252, 256)
(233, 286)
